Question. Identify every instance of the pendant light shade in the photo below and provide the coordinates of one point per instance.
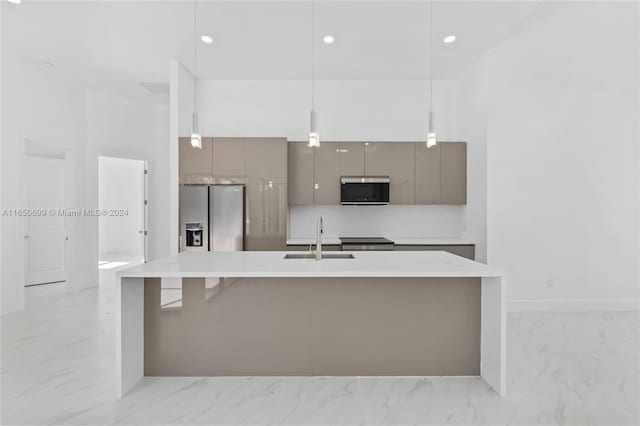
(314, 135)
(196, 139)
(431, 135)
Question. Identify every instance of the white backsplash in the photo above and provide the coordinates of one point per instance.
(378, 221)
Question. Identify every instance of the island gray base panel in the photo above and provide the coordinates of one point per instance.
(315, 326)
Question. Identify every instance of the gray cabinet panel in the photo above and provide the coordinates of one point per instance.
(467, 251)
(267, 158)
(195, 164)
(300, 175)
(327, 173)
(376, 159)
(229, 159)
(351, 158)
(402, 172)
(453, 163)
(266, 226)
(427, 174)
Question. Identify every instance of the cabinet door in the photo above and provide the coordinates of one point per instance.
(376, 159)
(267, 159)
(300, 174)
(195, 164)
(427, 174)
(326, 173)
(229, 160)
(266, 227)
(351, 158)
(402, 172)
(453, 165)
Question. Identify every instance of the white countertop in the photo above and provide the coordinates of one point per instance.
(273, 264)
(418, 241)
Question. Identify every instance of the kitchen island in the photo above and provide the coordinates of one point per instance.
(259, 314)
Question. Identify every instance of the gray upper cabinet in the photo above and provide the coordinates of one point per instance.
(266, 158)
(376, 159)
(300, 179)
(327, 173)
(351, 158)
(453, 163)
(427, 174)
(195, 164)
(402, 172)
(229, 160)
(418, 175)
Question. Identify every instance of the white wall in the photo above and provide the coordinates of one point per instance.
(41, 109)
(347, 109)
(563, 156)
(121, 187)
(123, 128)
(473, 95)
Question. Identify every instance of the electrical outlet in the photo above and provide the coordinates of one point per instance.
(550, 282)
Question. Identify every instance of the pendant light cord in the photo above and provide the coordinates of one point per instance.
(313, 15)
(195, 54)
(431, 56)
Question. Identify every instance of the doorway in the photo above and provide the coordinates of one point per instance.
(44, 225)
(122, 224)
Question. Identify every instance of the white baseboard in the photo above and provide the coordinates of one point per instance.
(573, 305)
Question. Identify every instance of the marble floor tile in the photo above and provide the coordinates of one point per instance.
(57, 366)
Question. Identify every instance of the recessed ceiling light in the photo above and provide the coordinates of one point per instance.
(15, 1)
(206, 39)
(329, 39)
(449, 39)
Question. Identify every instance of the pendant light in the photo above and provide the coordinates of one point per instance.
(431, 134)
(196, 138)
(314, 135)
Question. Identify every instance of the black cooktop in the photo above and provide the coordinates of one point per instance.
(365, 240)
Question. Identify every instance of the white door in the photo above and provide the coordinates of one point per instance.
(122, 194)
(45, 236)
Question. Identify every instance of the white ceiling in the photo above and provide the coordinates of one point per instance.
(123, 43)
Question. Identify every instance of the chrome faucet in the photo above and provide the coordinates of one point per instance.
(319, 233)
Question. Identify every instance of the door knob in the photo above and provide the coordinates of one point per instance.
(27, 236)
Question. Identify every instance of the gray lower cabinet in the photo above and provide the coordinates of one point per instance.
(326, 170)
(428, 167)
(301, 176)
(467, 250)
(402, 172)
(453, 173)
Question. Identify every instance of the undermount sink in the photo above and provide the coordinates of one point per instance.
(324, 256)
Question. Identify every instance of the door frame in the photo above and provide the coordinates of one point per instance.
(32, 160)
(145, 216)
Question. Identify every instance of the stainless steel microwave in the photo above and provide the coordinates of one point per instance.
(364, 190)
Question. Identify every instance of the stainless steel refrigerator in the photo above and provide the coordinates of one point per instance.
(212, 217)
